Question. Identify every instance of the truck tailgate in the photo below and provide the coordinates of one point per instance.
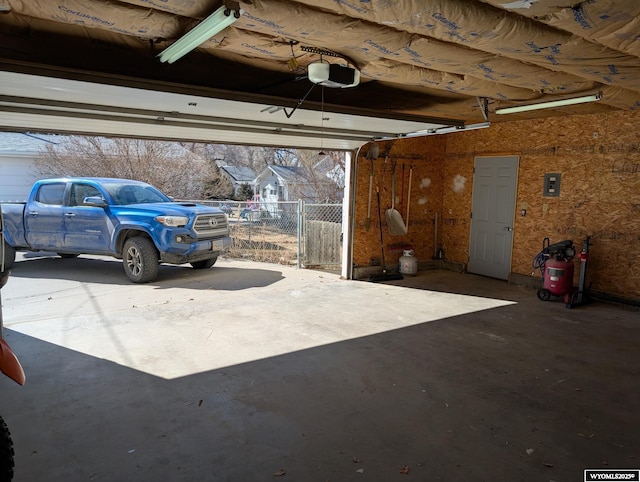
(13, 217)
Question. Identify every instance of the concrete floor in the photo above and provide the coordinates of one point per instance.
(249, 370)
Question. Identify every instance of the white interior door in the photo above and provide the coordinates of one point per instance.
(492, 215)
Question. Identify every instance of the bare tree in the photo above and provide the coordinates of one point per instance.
(188, 170)
(217, 186)
(256, 158)
(324, 174)
(167, 165)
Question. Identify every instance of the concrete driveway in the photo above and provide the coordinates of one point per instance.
(251, 371)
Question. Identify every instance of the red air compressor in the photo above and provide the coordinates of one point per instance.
(555, 262)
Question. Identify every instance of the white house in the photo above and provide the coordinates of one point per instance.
(291, 183)
(18, 153)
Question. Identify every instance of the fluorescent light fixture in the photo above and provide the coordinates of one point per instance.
(210, 26)
(550, 105)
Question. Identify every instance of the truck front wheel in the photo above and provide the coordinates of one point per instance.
(140, 259)
(9, 256)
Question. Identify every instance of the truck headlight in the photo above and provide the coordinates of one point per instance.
(173, 221)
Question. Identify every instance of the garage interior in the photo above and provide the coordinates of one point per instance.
(255, 369)
(542, 392)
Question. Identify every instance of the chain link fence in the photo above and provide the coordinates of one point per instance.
(284, 232)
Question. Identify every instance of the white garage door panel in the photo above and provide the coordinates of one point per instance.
(76, 107)
(16, 178)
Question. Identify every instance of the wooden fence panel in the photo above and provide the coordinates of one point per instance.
(322, 244)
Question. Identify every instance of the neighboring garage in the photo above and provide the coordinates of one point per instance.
(252, 371)
(17, 152)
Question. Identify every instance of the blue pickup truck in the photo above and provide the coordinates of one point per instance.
(129, 220)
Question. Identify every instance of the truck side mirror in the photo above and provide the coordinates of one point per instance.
(96, 201)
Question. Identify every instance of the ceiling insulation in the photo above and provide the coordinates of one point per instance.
(431, 58)
(613, 23)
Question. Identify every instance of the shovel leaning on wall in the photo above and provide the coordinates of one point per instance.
(394, 218)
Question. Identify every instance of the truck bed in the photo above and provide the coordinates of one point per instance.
(13, 217)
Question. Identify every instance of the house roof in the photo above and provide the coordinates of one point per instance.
(239, 174)
(24, 143)
(34, 143)
(297, 174)
(287, 173)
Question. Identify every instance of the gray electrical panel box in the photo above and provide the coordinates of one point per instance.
(552, 185)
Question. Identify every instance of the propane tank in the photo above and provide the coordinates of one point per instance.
(408, 262)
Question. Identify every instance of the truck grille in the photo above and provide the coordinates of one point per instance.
(208, 224)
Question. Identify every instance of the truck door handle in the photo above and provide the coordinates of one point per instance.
(69, 215)
(33, 213)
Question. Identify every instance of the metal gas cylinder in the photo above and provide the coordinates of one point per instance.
(408, 262)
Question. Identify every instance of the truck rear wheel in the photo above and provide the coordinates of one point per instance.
(9, 256)
(204, 264)
(140, 259)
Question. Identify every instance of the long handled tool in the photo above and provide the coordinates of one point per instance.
(394, 218)
(368, 222)
(409, 195)
(372, 153)
(402, 190)
(385, 276)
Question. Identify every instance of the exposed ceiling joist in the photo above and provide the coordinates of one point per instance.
(426, 61)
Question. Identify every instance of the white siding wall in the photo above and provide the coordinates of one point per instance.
(17, 175)
(268, 189)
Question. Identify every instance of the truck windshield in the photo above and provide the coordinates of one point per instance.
(135, 194)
